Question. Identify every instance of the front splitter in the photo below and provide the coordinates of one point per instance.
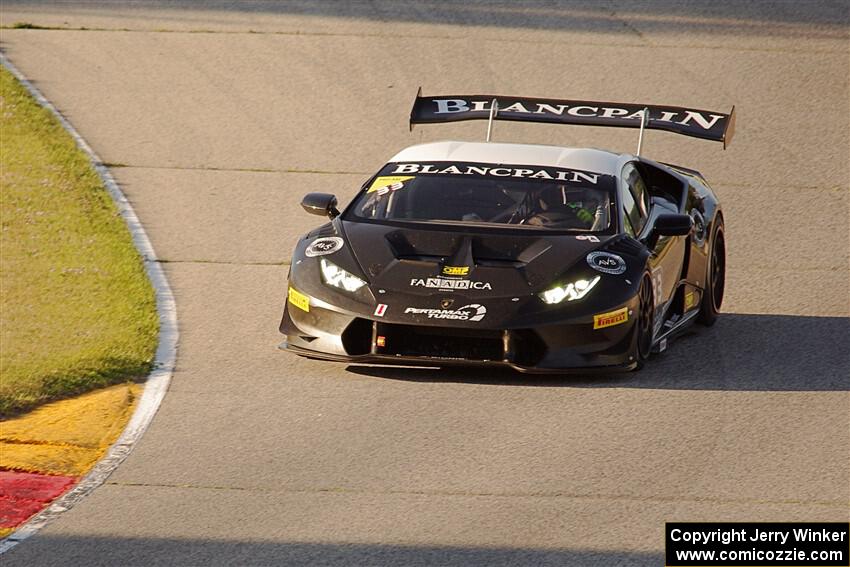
(396, 360)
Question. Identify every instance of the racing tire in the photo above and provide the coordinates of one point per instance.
(645, 322)
(715, 277)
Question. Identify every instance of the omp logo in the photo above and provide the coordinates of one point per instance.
(611, 318)
(455, 270)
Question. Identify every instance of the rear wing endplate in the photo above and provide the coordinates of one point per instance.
(705, 124)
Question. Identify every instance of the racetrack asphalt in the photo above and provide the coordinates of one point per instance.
(217, 119)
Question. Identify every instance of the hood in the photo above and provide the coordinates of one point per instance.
(435, 260)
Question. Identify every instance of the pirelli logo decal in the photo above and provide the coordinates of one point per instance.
(611, 318)
(299, 300)
(455, 270)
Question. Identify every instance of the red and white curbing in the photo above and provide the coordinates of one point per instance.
(166, 353)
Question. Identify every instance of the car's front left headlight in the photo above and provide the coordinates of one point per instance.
(335, 276)
(573, 291)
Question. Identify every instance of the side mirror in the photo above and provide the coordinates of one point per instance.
(323, 204)
(673, 225)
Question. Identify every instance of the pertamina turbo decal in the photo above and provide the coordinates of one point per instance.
(471, 312)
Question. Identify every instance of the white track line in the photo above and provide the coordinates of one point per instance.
(166, 352)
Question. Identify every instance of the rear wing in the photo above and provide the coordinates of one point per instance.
(705, 124)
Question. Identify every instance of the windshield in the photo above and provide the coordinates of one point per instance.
(522, 196)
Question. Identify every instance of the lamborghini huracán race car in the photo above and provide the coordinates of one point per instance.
(540, 258)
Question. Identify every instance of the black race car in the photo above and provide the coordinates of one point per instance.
(540, 258)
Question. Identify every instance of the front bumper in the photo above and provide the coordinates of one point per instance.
(572, 346)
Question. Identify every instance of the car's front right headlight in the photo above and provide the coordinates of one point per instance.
(573, 291)
(335, 276)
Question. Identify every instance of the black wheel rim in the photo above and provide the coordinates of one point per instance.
(645, 320)
(718, 270)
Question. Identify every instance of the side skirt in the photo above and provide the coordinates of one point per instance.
(660, 342)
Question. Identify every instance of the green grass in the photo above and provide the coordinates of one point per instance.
(24, 26)
(76, 309)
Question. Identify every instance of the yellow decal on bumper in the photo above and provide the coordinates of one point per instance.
(690, 300)
(299, 300)
(611, 318)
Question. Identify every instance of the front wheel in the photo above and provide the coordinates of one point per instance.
(644, 323)
(715, 279)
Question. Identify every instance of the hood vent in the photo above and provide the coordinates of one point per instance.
(624, 245)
